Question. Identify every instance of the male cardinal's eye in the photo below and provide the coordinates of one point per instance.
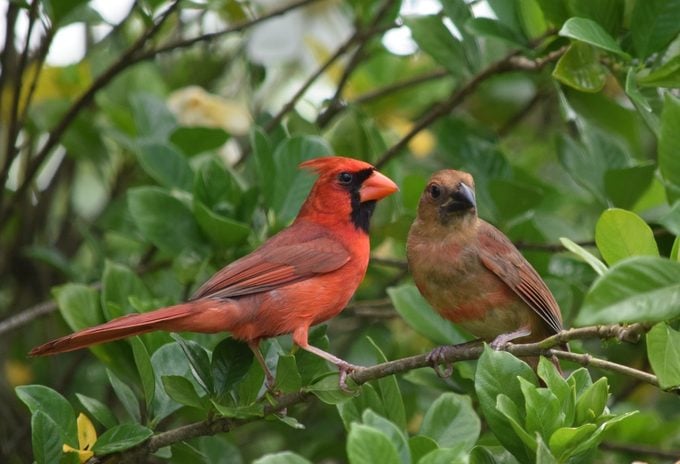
(435, 191)
(345, 178)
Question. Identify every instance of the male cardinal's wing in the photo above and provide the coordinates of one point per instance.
(274, 265)
(501, 257)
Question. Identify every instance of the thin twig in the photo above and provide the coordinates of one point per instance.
(335, 102)
(462, 352)
(185, 43)
(400, 86)
(511, 62)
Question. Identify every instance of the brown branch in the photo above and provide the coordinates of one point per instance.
(400, 86)
(463, 352)
(185, 43)
(511, 62)
(335, 103)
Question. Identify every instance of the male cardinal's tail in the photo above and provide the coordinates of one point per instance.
(196, 316)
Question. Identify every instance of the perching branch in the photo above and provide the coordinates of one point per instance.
(454, 353)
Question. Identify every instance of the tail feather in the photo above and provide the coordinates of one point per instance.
(187, 316)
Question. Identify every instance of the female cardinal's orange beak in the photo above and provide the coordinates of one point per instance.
(377, 186)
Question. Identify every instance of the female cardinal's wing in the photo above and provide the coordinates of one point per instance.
(501, 257)
(274, 265)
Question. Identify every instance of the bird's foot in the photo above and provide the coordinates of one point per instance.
(344, 369)
(437, 358)
(500, 342)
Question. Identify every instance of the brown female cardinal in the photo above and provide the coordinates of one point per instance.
(302, 276)
(471, 273)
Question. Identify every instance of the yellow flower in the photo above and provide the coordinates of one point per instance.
(87, 436)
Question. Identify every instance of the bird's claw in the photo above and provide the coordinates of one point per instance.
(344, 369)
(437, 359)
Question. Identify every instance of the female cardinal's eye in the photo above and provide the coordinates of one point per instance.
(345, 178)
(435, 191)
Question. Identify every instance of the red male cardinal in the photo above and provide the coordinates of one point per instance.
(471, 273)
(302, 276)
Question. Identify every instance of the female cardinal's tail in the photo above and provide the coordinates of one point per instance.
(195, 316)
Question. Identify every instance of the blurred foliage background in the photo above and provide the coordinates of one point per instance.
(170, 149)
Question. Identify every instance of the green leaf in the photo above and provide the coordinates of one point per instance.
(641, 102)
(451, 422)
(216, 187)
(169, 360)
(566, 395)
(292, 184)
(391, 431)
(353, 410)
(230, 363)
(588, 31)
(220, 229)
(199, 362)
(420, 446)
(47, 438)
(675, 251)
(565, 441)
(390, 393)
(418, 313)
(512, 414)
(146, 374)
(79, 305)
(542, 409)
(240, 412)
(434, 38)
(497, 373)
(164, 220)
(98, 410)
(481, 455)
(153, 119)
(638, 289)
(195, 140)
(580, 68)
(579, 380)
(264, 163)
(367, 445)
(669, 147)
(663, 351)
(165, 165)
(591, 403)
(182, 390)
(125, 395)
(655, 24)
(620, 234)
(531, 18)
(284, 457)
(287, 375)
(120, 438)
(54, 406)
(625, 186)
(607, 13)
(443, 456)
(597, 265)
(492, 28)
(119, 283)
(543, 454)
(666, 75)
(327, 390)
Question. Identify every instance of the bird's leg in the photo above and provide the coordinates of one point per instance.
(500, 341)
(344, 368)
(270, 379)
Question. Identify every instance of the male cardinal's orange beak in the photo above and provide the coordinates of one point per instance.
(377, 186)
